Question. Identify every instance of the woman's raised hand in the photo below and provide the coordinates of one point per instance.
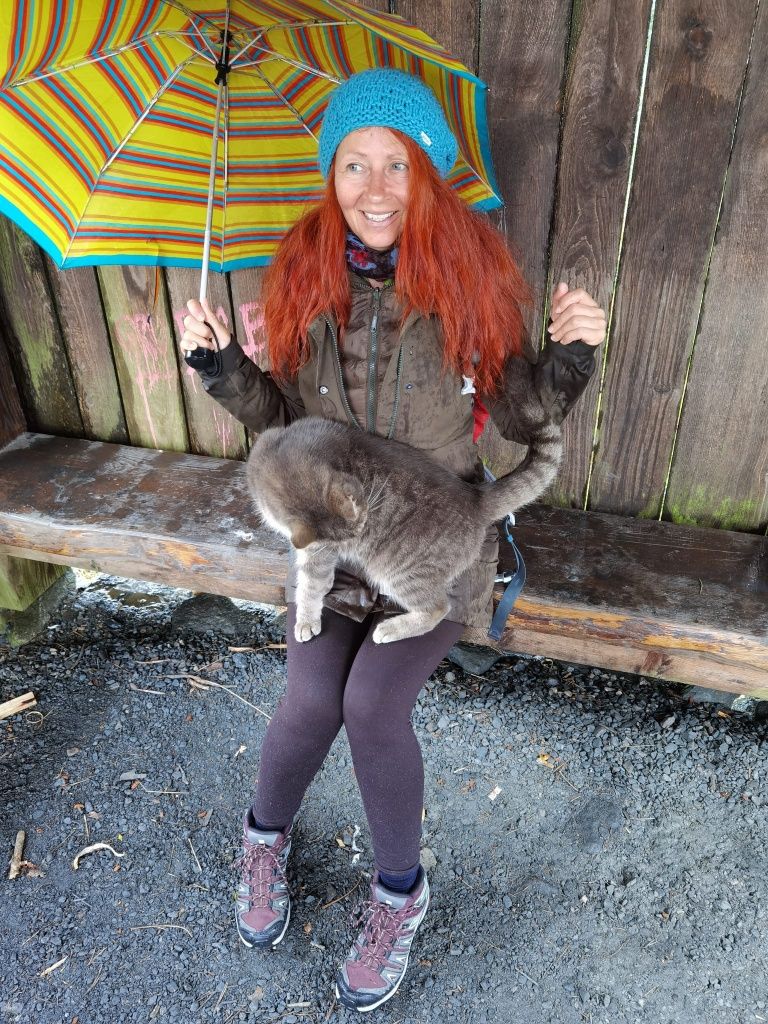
(196, 333)
(575, 316)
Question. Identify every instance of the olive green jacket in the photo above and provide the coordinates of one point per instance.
(391, 382)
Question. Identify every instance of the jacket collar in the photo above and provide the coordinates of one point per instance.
(316, 329)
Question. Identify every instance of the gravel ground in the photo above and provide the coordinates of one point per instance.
(596, 842)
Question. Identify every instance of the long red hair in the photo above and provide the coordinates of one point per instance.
(452, 263)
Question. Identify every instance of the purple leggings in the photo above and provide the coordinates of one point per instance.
(342, 676)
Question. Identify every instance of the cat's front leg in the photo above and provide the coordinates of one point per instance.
(314, 579)
(413, 623)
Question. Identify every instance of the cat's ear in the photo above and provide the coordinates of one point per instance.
(302, 536)
(346, 497)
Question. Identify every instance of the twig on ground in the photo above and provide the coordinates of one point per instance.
(92, 849)
(205, 683)
(221, 996)
(141, 689)
(325, 906)
(181, 927)
(18, 850)
(53, 967)
(535, 983)
(264, 647)
(199, 867)
(21, 703)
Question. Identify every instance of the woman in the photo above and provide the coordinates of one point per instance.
(393, 307)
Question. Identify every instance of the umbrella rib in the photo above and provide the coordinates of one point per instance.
(282, 99)
(295, 64)
(134, 44)
(190, 14)
(116, 152)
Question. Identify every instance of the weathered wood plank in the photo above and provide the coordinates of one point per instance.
(145, 356)
(249, 313)
(36, 348)
(599, 107)
(725, 483)
(522, 51)
(21, 581)
(12, 419)
(635, 595)
(452, 23)
(696, 67)
(212, 430)
(76, 294)
(186, 520)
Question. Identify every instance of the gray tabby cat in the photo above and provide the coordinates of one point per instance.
(384, 509)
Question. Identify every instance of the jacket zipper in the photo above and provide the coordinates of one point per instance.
(372, 353)
(371, 373)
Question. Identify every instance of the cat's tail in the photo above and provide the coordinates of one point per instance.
(530, 479)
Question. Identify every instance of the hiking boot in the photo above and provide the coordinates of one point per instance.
(263, 907)
(377, 961)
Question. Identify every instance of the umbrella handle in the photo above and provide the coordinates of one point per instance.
(205, 360)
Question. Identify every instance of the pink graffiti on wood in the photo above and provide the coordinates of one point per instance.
(252, 317)
(136, 333)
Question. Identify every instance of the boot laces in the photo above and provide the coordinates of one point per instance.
(259, 864)
(381, 926)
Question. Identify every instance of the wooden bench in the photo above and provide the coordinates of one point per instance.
(633, 595)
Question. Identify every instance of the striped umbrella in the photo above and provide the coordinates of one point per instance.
(181, 133)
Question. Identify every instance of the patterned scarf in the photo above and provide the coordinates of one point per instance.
(374, 263)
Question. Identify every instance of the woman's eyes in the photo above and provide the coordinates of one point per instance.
(398, 166)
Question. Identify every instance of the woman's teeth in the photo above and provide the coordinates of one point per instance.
(378, 218)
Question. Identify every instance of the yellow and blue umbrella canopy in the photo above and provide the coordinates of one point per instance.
(108, 110)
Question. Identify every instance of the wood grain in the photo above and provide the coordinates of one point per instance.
(37, 352)
(600, 102)
(145, 356)
(720, 470)
(12, 419)
(697, 63)
(452, 23)
(522, 53)
(78, 300)
(212, 430)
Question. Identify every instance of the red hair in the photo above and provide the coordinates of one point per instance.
(452, 263)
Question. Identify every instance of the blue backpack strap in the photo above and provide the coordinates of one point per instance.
(515, 583)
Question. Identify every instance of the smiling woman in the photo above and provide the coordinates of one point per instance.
(371, 177)
(396, 309)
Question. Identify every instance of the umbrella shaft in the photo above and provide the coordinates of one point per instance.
(211, 186)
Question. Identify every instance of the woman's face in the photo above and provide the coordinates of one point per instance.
(371, 179)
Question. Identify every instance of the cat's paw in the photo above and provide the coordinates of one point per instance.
(305, 629)
(388, 631)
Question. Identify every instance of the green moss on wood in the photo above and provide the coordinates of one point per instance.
(701, 508)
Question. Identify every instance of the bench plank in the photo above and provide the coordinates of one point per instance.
(633, 595)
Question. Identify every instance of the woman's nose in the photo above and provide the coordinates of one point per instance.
(377, 183)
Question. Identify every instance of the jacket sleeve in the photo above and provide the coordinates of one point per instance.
(250, 394)
(557, 379)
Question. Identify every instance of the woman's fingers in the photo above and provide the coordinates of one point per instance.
(579, 321)
(197, 332)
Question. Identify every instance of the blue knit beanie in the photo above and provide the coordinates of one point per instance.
(387, 98)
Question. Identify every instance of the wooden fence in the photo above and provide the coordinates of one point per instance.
(630, 141)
